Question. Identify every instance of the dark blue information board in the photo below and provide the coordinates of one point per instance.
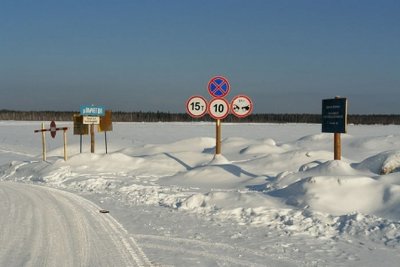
(334, 115)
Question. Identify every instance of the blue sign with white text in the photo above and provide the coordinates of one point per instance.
(92, 111)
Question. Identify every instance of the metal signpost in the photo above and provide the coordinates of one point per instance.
(334, 120)
(53, 131)
(105, 126)
(80, 129)
(219, 108)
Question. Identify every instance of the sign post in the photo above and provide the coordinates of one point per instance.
(218, 137)
(337, 146)
(334, 120)
(53, 130)
(43, 142)
(92, 139)
(91, 115)
(80, 129)
(105, 126)
(219, 108)
(65, 144)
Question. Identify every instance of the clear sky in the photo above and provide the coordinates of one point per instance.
(153, 55)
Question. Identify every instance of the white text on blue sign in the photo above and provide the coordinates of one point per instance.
(92, 111)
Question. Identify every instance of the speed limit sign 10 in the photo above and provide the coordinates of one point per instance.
(218, 108)
(196, 106)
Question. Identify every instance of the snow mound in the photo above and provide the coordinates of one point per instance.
(382, 163)
(339, 195)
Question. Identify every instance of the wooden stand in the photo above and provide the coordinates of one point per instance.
(337, 146)
(92, 141)
(53, 131)
(43, 142)
(65, 144)
(218, 137)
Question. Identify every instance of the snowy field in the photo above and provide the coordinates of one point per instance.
(274, 197)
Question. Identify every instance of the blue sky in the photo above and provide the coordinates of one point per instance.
(152, 55)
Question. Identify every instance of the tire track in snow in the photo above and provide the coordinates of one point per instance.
(16, 153)
(116, 231)
(55, 228)
(216, 251)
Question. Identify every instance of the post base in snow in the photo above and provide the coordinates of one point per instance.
(219, 160)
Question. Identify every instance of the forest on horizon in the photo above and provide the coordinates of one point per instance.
(158, 116)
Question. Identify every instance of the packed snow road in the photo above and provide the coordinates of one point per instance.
(47, 227)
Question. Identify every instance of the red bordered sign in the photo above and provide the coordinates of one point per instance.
(218, 108)
(196, 106)
(218, 86)
(241, 106)
(53, 129)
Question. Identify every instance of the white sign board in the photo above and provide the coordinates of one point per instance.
(196, 106)
(91, 120)
(218, 108)
(241, 106)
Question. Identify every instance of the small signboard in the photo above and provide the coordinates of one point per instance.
(92, 111)
(196, 106)
(91, 120)
(218, 86)
(241, 106)
(79, 127)
(218, 108)
(106, 122)
(53, 129)
(334, 115)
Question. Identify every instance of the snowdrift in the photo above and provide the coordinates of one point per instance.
(292, 186)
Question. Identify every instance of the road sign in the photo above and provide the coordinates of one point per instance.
(241, 106)
(91, 120)
(106, 122)
(53, 129)
(334, 115)
(92, 111)
(218, 86)
(79, 127)
(218, 108)
(196, 106)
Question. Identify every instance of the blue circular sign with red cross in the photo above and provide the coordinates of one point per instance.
(218, 86)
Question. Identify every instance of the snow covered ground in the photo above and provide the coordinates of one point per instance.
(274, 197)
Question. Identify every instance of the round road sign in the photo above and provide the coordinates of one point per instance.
(241, 106)
(53, 129)
(196, 106)
(218, 86)
(218, 108)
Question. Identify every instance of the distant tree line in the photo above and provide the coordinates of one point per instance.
(182, 117)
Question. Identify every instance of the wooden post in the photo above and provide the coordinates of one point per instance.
(80, 144)
(92, 142)
(65, 144)
(43, 142)
(218, 137)
(337, 147)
